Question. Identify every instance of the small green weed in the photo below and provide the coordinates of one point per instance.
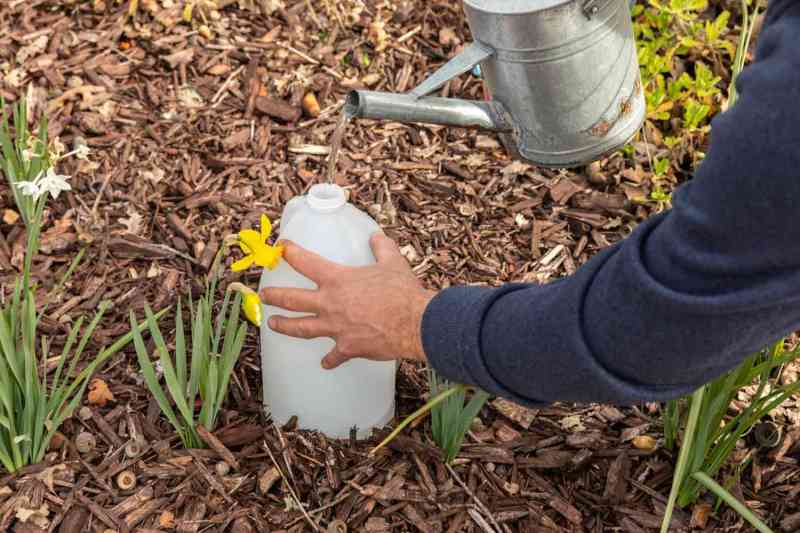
(450, 417)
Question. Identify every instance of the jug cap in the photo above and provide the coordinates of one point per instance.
(326, 197)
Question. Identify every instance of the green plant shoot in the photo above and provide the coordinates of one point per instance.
(450, 417)
(215, 348)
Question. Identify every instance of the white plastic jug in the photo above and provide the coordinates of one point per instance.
(359, 393)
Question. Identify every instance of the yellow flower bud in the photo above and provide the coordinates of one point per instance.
(251, 303)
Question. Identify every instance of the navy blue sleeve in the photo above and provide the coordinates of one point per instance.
(687, 296)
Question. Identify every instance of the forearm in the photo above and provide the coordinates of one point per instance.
(687, 296)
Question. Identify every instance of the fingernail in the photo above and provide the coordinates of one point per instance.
(272, 322)
(325, 364)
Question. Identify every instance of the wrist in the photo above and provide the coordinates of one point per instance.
(420, 304)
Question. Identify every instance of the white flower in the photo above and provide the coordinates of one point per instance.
(53, 183)
(82, 152)
(29, 188)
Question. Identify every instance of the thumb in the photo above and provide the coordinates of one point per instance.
(386, 251)
(334, 359)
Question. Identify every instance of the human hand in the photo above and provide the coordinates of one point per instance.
(374, 312)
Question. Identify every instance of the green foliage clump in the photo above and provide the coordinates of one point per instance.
(452, 418)
(31, 409)
(684, 53)
(215, 348)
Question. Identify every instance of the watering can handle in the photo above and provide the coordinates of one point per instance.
(463, 62)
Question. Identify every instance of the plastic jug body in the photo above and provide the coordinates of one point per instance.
(360, 393)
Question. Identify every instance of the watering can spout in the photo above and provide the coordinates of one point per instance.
(408, 108)
(416, 107)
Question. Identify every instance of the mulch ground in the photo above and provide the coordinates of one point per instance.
(195, 130)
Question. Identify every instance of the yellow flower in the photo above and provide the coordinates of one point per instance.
(257, 251)
(251, 303)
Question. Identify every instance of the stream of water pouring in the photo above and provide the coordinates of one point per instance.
(336, 144)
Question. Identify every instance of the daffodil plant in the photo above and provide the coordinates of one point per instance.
(215, 348)
(254, 244)
(31, 409)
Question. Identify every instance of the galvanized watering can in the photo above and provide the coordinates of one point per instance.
(563, 77)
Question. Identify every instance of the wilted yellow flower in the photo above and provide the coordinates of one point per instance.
(257, 251)
(251, 303)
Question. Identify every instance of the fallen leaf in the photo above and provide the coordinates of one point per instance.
(644, 442)
(448, 37)
(311, 105)
(34, 49)
(700, 514)
(484, 142)
(572, 423)
(167, 520)
(99, 393)
(190, 98)
(371, 79)
(133, 223)
(10, 216)
(15, 77)
(219, 69)
(377, 35)
(59, 237)
(514, 168)
(48, 475)
(37, 517)
(155, 175)
(523, 416)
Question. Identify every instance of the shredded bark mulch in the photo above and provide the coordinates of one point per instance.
(198, 128)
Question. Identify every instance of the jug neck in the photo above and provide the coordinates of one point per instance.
(326, 197)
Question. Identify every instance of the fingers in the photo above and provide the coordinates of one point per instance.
(303, 328)
(300, 300)
(309, 264)
(386, 251)
(334, 359)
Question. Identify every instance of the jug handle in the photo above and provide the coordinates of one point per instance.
(463, 62)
